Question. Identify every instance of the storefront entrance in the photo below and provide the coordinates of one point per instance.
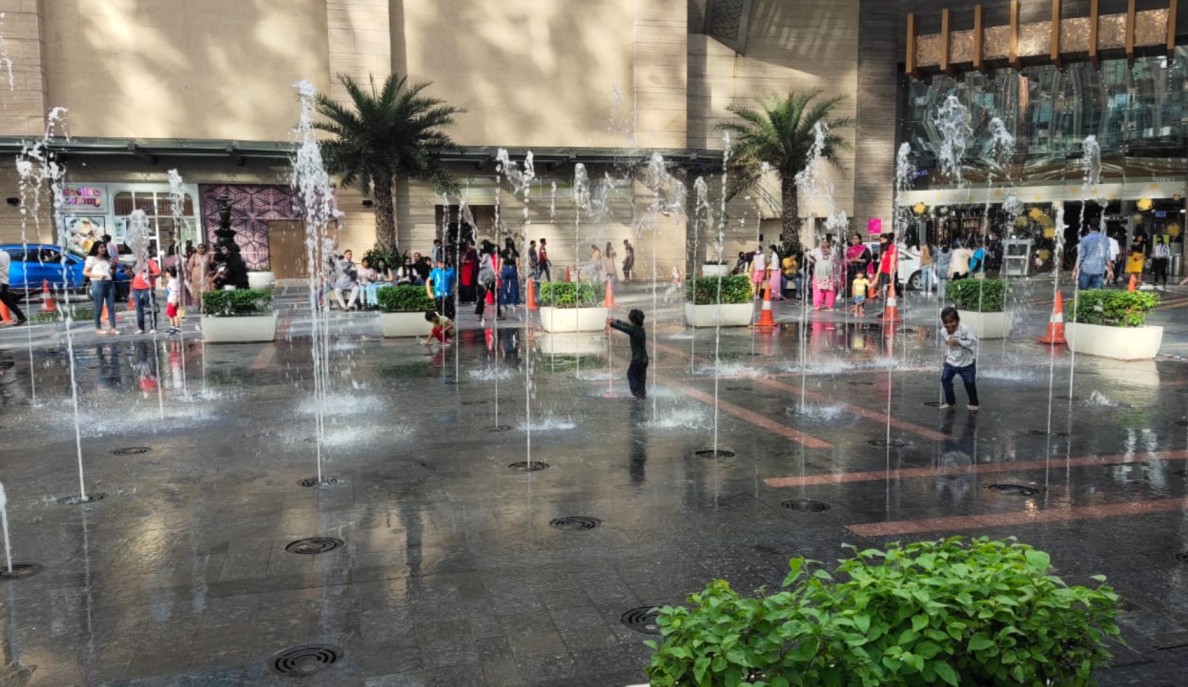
(286, 249)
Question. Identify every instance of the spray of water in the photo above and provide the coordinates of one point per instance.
(952, 122)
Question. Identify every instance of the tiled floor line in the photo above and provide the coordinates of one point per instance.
(965, 522)
(752, 417)
(977, 469)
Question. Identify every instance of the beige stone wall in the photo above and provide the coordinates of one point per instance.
(660, 47)
(218, 69)
(22, 100)
(530, 73)
(360, 42)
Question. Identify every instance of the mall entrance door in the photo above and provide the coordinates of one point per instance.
(286, 249)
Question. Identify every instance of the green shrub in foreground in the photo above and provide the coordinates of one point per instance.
(735, 288)
(404, 298)
(1114, 308)
(949, 612)
(567, 294)
(237, 303)
(978, 295)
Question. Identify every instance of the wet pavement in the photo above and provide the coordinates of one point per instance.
(453, 558)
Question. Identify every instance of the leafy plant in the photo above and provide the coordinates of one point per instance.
(978, 295)
(237, 303)
(704, 290)
(948, 612)
(390, 258)
(1114, 308)
(563, 294)
(403, 299)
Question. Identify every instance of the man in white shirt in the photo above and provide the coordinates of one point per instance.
(1115, 251)
(6, 296)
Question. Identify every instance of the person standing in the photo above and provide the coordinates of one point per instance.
(486, 283)
(98, 269)
(944, 259)
(1093, 266)
(533, 261)
(637, 371)
(6, 296)
(961, 354)
(510, 274)
(888, 264)
(440, 288)
(774, 278)
(1160, 257)
(608, 259)
(197, 268)
(857, 258)
(172, 300)
(143, 284)
(468, 275)
(959, 262)
(824, 275)
(758, 273)
(543, 263)
(628, 261)
(1115, 256)
(926, 267)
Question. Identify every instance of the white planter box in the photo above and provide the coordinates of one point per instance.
(249, 329)
(987, 325)
(709, 270)
(571, 343)
(731, 314)
(261, 280)
(572, 319)
(1120, 343)
(404, 324)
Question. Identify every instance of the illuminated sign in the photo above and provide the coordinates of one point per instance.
(85, 198)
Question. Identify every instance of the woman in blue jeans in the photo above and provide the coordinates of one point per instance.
(99, 270)
(509, 276)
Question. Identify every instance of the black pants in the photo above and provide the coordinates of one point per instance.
(637, 379)
(481, 305)
(1159, 267)
(969, 376)
(10, 301)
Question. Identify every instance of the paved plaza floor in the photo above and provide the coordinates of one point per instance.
(448, 561)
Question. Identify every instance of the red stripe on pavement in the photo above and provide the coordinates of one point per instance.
(881, 418)
(264, 358)
(752, 417)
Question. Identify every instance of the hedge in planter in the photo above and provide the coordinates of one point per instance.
(704, 290)
(1114, 308)
(978, 295)
(237, 303)
(564, 294)
(949, 612)
(403, 298)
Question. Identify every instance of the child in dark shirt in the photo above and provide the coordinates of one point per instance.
(637, 371)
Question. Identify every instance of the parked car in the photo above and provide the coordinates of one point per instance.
(36, 263)
(909, 265)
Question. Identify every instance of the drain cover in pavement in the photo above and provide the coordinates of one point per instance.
(1182, 556)
(642, 619)
(1182, 423)
(304, 659)
(525, 466)
(496, 428)
(476, 402)
(714, 453)
(805, 505)
(314, 545)
(78, 500)
(20, 571)
(325, 481)
(574, 523)
(130, 451)
(860, 383)
(1044, 433)
(1015, 489)
(884, 443)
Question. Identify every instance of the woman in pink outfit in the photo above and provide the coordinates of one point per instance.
(825, 273)
(773, 270)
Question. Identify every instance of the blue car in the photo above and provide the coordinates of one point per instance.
(36, 263)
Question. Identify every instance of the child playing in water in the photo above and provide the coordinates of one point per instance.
(961, 352)
(443, 328)
(637, 371)
(859, 287)
(172, 299)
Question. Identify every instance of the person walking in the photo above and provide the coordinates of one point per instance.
(961, 354)
(98, 269)
(608, 258)
(1093, 267)
(510, 274)
(1160, 257)
(637, 371)
(628, 261)
(6, 296)
(542, 261)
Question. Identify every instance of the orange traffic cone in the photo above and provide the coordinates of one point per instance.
(490, 297)
(47, 298)
(131, 301)
(531, 295)
(1133, 282)
(5, 313)
(891, 311)
(608, 301)
(567, 275)
(766, 320)
(1055, 333)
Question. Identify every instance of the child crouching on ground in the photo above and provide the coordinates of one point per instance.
(637, 371)
(443, 328)
(961, 353)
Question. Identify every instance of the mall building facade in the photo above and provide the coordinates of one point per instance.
(206, 88)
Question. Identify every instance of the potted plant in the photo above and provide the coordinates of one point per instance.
(719, 300)
(948, 612)
(402, 310)
(981, 304)
(571, 307)
(1111, 324)
(261, 276)
(238, 316)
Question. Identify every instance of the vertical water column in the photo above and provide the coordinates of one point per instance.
(177, 200)
(702, 217)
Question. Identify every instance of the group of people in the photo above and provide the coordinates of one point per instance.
(603, 265)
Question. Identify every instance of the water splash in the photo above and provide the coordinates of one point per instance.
(5, 60)
(952, 123)
(812, 181)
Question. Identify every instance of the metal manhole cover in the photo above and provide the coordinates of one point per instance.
(719, 453)
(575, 523)
(528, 466)
(1015, 489)
(736, 387)
(77, 499)
(130, 451)
(20, 571)
(642, 619)
(496, 428)
(860, 383)
(1182, 556)
(885, 443)
(1181, 423)
(805, 505)
(932, 404)
(792, 410)
(304, 659)
(477, 402)
(314, 545)
(325, 481)
(1044, 433)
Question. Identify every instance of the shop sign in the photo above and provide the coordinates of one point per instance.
(82, 198)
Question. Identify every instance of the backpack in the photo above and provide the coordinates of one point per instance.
(486, 275)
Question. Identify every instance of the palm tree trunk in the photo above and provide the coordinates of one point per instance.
(790, 215)
(385, 215)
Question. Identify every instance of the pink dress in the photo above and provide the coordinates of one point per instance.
(775, 281)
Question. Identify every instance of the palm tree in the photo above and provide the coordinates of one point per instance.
(393, 132)
(782, 135)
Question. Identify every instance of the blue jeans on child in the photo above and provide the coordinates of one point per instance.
(968, 374)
